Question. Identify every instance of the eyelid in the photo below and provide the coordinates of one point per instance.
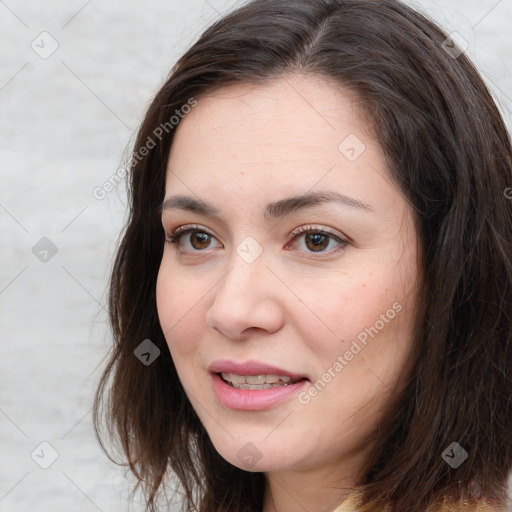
(340, 239)
(320, 229)
(185, 229)
(197, 227)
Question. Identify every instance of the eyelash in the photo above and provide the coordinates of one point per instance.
(181, 231)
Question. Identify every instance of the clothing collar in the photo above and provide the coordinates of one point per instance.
(352, 501)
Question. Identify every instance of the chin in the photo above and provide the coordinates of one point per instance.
(257, 454)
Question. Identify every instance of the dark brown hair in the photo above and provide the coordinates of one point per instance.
(450, 154)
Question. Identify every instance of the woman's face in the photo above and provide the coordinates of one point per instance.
(288, 307)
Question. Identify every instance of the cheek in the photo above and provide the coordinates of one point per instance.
(362, 368)
(346, 305)
(370, 315)
(377, 343)
(180, 310)
(380, 300)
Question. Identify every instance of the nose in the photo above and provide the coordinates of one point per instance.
(246, 301)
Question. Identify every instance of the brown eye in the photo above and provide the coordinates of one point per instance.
(316, 241)
(192, 239)
(200, 240)
(310, 239)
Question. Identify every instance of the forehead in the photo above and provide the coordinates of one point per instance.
(286, 116)
(289, 133)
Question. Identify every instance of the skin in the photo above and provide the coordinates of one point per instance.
(299, 309)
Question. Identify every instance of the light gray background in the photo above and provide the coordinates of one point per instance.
(64, 124)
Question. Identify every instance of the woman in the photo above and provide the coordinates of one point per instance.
(311, 303)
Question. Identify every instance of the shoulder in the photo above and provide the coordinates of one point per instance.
(481, 506)
(352, 502)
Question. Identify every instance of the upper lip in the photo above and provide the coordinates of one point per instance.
(250, 367)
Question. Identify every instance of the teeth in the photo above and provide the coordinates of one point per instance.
(235, 379)
(263, 381)
(255, 379)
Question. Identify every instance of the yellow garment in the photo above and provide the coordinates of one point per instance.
(350, 505)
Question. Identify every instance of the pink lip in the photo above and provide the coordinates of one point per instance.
(251, 399)
(250, 368)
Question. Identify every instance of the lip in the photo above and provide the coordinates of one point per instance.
(251, 367)
(252, 399)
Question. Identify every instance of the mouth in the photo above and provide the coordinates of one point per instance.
(253, 385)
(258, 382)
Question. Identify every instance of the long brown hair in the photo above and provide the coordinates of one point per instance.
(449, 152)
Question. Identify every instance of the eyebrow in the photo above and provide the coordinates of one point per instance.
(275, 210)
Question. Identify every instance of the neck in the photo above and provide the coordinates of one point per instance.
(318, 490)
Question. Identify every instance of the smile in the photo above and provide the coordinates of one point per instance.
(256, 382)
(254, 397)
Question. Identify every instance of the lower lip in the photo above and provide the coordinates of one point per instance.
(253, 399)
